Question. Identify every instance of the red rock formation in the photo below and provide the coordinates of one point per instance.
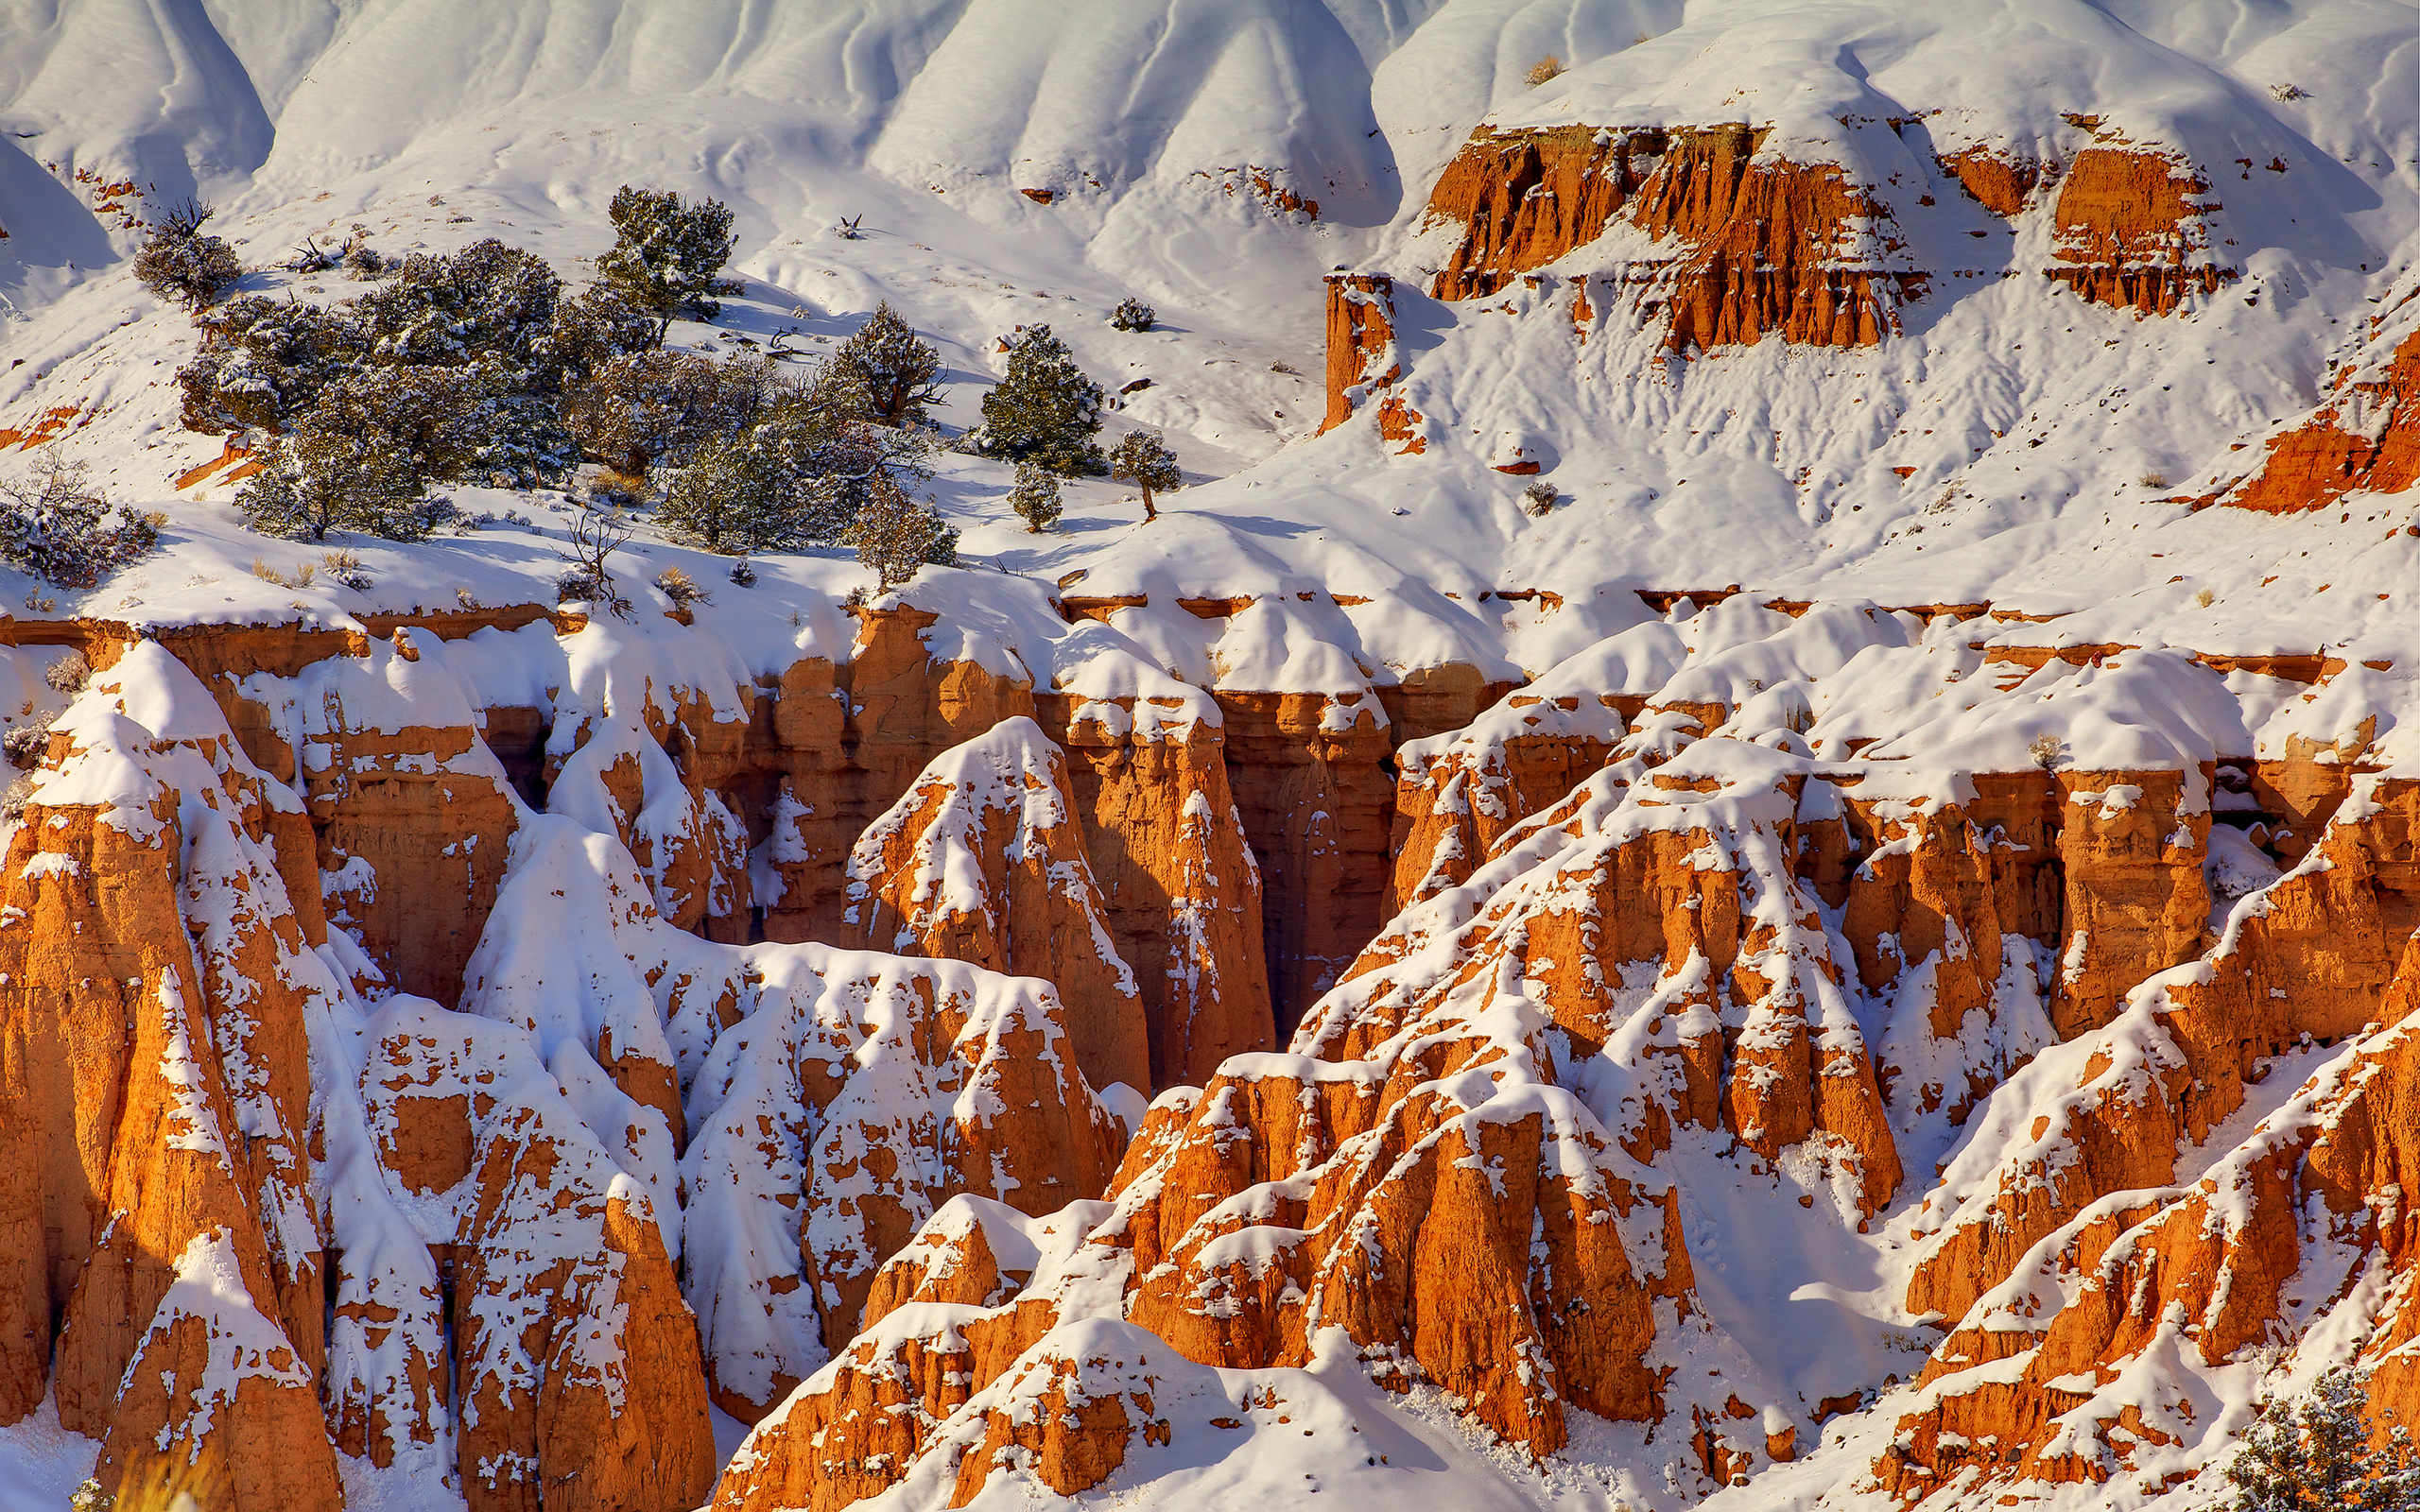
(548, 1237)
(1361, 362)
(1180, 887)
(1763, 246)
(2001, 182)
(2132, 229)
(154, 1031)
(2366, 438)
(2078, 1367)
(984, 861)
(1304, 769)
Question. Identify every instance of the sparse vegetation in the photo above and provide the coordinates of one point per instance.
(896, 373)
(1545, 70)
(57, 524)
(2154, 480)
(2203, 598)
(595, 535)
(678, 586)
(344, 567)
(1539, 496)
(896, 536)
(2287, 93)
(668, 255)
(2047, 750)
(1133, 315)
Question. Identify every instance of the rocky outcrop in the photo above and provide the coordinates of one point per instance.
(984, 861)
(2366, 438)
(1361, 362)
(157, 1009)
(1313, 800)
(1181, 889)
(574, 1358)
(1457, 795)
(1417, 1172)
(2077, 1362)
(1762, 246)
(2132, 229)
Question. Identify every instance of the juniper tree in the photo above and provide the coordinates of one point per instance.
(1133, 315)
(1144, 459)
(318, 480)
(648, 406)
(1044, 410)
(58, 526)
(2315, 1456)
(488, 302)
(898, 373)
(264, 361)
(178, 263)
(668, 255)
(1035, 496)
(462, 424)
(895, 535)
(738, 496)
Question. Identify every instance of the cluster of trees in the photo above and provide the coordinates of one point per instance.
(2317, 1454)
(478, 366)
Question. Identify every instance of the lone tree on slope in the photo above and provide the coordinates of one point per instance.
(896, 536)
(667, 256)
(2314, 1455)
(177, 262)
(1044, 410)
(898, 373)
(1144, 459)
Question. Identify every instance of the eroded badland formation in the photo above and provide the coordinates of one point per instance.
(1652, 994)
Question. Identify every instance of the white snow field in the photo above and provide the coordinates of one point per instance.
(2002, 446)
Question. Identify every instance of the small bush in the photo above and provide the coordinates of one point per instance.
(1539, 496)
(1545, 70)
(181, 265)
(69, 673)
(1035, 497)
(344, 567)
(1133, 315)
(2315, 1454)
(680, 588)
(2289, 93)
(311, 258)
(743, 573)
(2154, 480)
(594, 537)
(2203, 598)
(2047, 750)
(889, 371)
(56, 525)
